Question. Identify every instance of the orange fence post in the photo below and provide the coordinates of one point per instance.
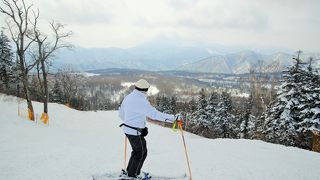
(316, 142)
(44, 118)
(30, 115)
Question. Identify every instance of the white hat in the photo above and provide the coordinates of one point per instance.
(142, 85)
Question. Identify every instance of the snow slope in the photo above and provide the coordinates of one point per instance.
(79, 144)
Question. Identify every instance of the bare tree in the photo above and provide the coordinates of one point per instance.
(70, 82)
(19, 26)
(46, 49)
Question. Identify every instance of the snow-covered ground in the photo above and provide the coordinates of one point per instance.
(153, 90)
(78, 144)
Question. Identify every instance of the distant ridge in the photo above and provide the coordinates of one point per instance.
(173, 56)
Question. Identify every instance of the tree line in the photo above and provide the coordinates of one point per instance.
(287, 114)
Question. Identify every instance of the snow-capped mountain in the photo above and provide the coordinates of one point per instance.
(216, 64)
(175, 55)
(243, 61)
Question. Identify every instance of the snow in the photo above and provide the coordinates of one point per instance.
(153, 90)
(86, 74)
(78, 144)
(236, 94)
(127, 84)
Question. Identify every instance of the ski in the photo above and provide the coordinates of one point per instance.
(174, 177)
(116, 176)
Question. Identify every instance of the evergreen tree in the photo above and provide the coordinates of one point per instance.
(280, 120)
(200, 116)
(247, 126)
(211, 107)
(158, 103)
(56, 93)
(173, 104)
(192, 106)
(6, 62)
(163, 104)
(309, 116)
(224, 120)
(284, 118)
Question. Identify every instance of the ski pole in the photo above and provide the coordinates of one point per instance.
(185, 147)
(125, 152)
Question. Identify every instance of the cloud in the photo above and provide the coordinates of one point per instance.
(76, 11)
(205, 14)
(181, 4)
(125, 23)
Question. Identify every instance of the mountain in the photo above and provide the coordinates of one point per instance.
(234, 63)
(212, 64)
(98, 58)
(241, 62)
(153, 55)
(167, 54)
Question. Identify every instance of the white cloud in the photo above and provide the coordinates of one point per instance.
(123, 23)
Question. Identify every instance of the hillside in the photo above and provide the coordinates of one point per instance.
(78, 144)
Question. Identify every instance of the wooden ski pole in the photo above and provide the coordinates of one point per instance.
(125, 152)
(185, 147)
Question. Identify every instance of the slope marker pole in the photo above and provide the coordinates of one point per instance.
(185, 147)
(125, 152)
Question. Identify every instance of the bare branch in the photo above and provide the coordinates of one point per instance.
(57, 27)
(11, 14)
(6, 3)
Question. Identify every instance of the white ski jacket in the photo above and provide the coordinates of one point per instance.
(135, 108)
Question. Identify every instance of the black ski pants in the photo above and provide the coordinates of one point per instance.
(138, 154)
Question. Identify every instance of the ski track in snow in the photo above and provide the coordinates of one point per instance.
(77, 145)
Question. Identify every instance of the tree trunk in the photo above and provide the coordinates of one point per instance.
(45, 88)
(27, 94)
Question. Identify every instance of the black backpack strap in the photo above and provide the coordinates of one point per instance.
(135, 128)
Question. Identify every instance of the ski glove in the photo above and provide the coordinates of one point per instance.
(144, 131)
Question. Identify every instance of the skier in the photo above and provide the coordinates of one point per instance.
(133, 111)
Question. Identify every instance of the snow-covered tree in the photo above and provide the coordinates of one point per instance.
(211, 107)
(296, 110)
(159, 103)
(6, 62)
(173, 104)
(247, 126)
(309, 108)
(163, 104)
(224, 121)
(192, 106)
(200, 116)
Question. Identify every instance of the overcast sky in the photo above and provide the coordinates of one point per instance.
(293, 24)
